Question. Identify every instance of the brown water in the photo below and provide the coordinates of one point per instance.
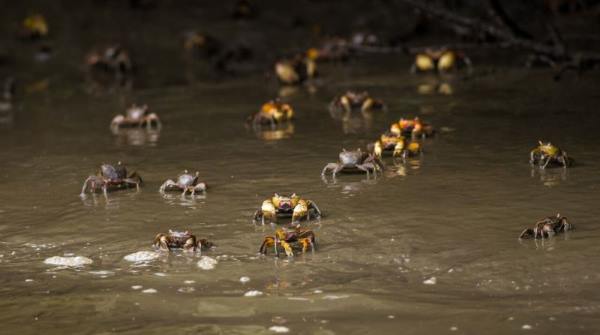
(454, 215)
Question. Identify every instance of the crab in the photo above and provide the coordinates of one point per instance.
(298, 238)
(439, 60)
(354, 161)
(136, 116)
(113, 59)
(202, 45)
(34, 27)
(111, 177)
(412, 127)
(186, 182)
(547, 227)
(547, 154)
(353, 100)
(180, 240)
(295, 70)
(398, 145)
(285, 206)
(272, 113)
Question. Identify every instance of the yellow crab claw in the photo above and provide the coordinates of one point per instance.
(367, 104)
(36, 24)
(377, 149)
(414, 147)
(424, 62)
(286, 73)
(268, 209)
(288, 249)
(395, 129)
(300, 210)
(312, 53)
(275, 200)
(398, 149)
(288, 110)
(294, 199)
(311, 68)
(447, 61)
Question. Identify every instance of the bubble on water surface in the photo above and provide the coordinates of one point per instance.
(279, 329)
(253, 293)
(207, 263)
(72, 261)
(430, 281)
(142, 256)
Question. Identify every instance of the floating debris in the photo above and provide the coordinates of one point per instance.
(74, 261)
(142, 256)
(279, 329)
(253, 293)
(207, 263)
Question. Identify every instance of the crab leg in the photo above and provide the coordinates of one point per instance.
(329, 166)
(312, 205)
(85, 184)
(166, 184)
(132, 181)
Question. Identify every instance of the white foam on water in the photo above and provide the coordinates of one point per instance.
(149, 290)
(28, 280)
(189, 281)
(253, 293)
(186, 289)
(430, 281)
(244, 279)
(142, 256)
(207, 263)
(102, 273)
(73, 261)
(335, 297)
(526, 327)
(136, 287)
(279, 329)
(160, 274)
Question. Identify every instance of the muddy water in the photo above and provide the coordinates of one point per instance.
(429, 247)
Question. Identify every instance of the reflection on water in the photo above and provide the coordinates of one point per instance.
(280, 131)
(550, 177)
(136, 136)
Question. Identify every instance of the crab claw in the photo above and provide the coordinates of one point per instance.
(300, 211)
(117, 121)
(267, 210)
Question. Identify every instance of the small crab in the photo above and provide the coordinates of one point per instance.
(285, 206)
(352, 100)
(412, 127)
(296, 70)
(186, 182)
(298, 238)
(398, 145)
(547, 154)
(547, 227)
(34, 27)
(113, 59)
(354, 161)
(439, 60)
(272, 113)
(111, 177)
(180, 240)
(136, 116)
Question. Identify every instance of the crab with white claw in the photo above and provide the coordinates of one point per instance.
(298, 238)
(398, 145)
(352, 100)
(186, 182)
(440, 61)
(412, 127)
(113, 59)
(280, 206)
(111, 177)
(180, 240)
(296, 70)
(547, 154)
(547, 227)
(136, 116)
(354, 161)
